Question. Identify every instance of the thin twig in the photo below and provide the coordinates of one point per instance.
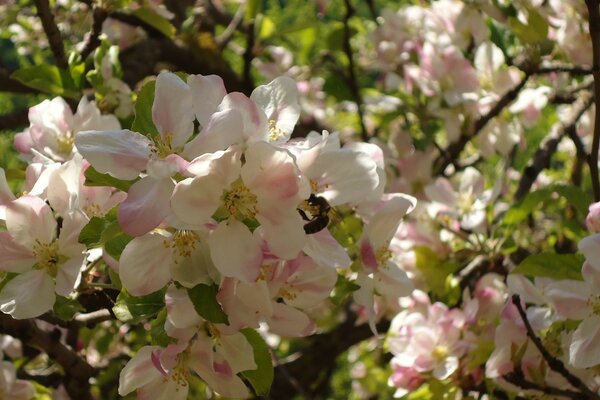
(554, 363)
(455, 148)
(52, 33)
(249, 55)
(352, 79)
(594, 19)
(77, 370)
(541, 158)
(517, 378)
(92, 40)
(234, 25)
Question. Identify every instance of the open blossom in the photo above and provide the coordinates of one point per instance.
(46, 263)
(53, 128)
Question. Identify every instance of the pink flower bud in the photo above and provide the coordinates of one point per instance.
(592, 220)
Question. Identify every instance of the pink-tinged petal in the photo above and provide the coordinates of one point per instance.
(254, 119)
(590, 247)
(15, 258)
(471, 181)
(6, 195)
(442, 192)
(345, 176)
(215, 370)
(172, 111)
(180, 309)
(584, 351)
(245, 303)
(392, 281)
(122, 154)
(445, 368)
(28, 295)
(146, 206)
(69, 275)
(237, 351)
(144, 264)
(290, 322)
(164, 389)
(310, 284)
(191, 270)
(223, 129)
(364, 297)
(68, 240)
(591, 276)
(29, 219)
(139, 371)
(326, 251)
(23, 142)
(285, 239)
(207, 93)
(63, 185)
(525, 288)
(166, 167)
(224, 165)
(236, 252)
(195, 200)
(386, 221)
(569, 298)
(279, 101)
(367, 255)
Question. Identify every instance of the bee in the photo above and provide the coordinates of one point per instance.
(319, 210)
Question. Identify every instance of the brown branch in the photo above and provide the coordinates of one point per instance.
(517, 378)
(322, 351)
(92, 40)
(249, 55)
(351, 76)
(594, 19)
(77, 371)
(554, 363)
(541, 158)
(454, 149)
(8, 84)
(571, 69)
(52, 33)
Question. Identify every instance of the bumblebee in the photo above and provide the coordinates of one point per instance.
(319, 210)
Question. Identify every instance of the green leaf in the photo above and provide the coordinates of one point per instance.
(252, 9)
(260, 378)
(343, 288)
(436, 273)
(552, 265)
(156, 21)
(574, 195)
(157, 330)
(134, 309)
(205, 302)
(91, 233)
(45, 78)
(143, 122)
(114, 247)
(65, 308)
(95, 178)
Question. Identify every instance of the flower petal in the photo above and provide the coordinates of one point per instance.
(172, 111)
(146, 206)
(28, 295)
(207, 93)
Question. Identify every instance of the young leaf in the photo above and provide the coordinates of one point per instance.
(143, 111)
(260, 378)
(158, 22)
(134, 309)
(65, 308)
(204, 298)
(45, 78)
(552, 265)
(95, 178)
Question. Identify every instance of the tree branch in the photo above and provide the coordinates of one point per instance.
(455, 148)
(541, 158)
(77, 371)
(52, 33)
(92, 40)
(351, 78)
(594, 19)
(517, 378)
(554, 363)
(14, 120)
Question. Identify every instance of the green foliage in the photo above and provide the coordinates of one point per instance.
(95, 178)
(155, 20)
(552, 265)
(157, 330)
(437, 274)
(143, 122)
(65, 308)
(260, 378)
(132, 309)
(48, 79)
(205, 303)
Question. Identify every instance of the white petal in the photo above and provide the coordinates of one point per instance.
(290, 322)
(223, 129)
(139, 371)
(279, 101)
(584, 351)
(28, 295)
(122, 154)
(207, 93)
(172, 111)
(29, 219)
(195, 200)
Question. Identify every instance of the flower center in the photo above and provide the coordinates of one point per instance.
(465, 202)
(65, 144)
(162, 148)
(594, 303)
(382, 255)
(183, 242)
(240, 202)
(92, 210)
(47, 256)
(181, 374)
(275, 133)
(440, 352)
